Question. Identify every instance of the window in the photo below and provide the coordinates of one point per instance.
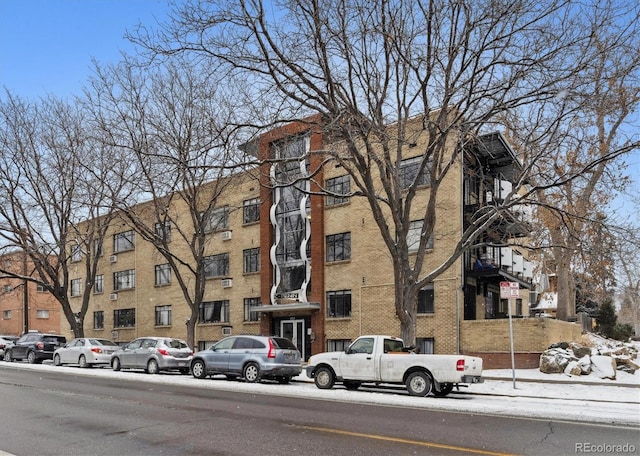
(409, 171)
(415, 234)
(425, 345)
(251, 260)
(250, 315)
(426, 300)
(98, 284)
(123, 241)
(339, 247)
(40, 288)
(76, 287)
(338, 344)
(218, 219)
(7, 288)
(216, 265)
(163, 274)
(339, 304)
(98, 319)
(163, 315)
(124, 318)
(43, 314)
(98, 249)
(251, 211)
(6, 315)
(123, 280)
(163, 231)
(214, 312)
(338, 186)
(76, 253)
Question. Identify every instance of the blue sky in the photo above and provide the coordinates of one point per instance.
(46, 46)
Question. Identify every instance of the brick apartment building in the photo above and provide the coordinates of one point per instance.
(314, 268)
(24, 305)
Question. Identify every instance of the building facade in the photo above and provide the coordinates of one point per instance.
(284, 259)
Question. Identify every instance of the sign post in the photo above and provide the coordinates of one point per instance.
(509, 291)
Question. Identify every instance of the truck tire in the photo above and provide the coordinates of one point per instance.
(419, 384)
(445, 389)
(324, 378)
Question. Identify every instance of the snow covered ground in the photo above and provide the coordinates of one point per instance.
(537, 395)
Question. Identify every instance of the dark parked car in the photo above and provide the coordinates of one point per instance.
(251, 357)
(153, 354)
(34, 347)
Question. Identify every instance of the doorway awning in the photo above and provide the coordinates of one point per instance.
(276, 308)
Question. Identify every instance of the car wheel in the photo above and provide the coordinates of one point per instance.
(352, 385)
(56, 360)
(324, 378)
(251, 373)
(31, 357)
(7, 356)
(152, 366)
(82, 362)
(198, 369)
(283, 379)
(115, 364)
(445, 389)
(419, 384)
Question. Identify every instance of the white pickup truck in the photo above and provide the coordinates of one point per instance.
(385, 359)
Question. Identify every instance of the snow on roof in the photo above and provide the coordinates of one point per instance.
(548, 300)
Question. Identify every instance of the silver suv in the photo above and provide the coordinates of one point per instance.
(153, 354)
(251, 357)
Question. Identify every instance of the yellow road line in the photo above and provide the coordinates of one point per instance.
(407, 441)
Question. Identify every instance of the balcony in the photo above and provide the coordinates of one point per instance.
(497, 264)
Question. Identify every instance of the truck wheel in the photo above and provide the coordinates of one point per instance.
(324, 378)
(445, 389)
(419, 384)
(352, 385)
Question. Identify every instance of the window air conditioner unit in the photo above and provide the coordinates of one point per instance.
(227, 283)
(226, 235)
(113, 296)
(226, 330)
(113, 258)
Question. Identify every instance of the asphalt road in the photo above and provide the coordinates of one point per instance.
(61, 413)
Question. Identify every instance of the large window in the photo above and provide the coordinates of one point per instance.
(415, 234)
(214, 312)
(98, 284)
(42, 314)
(251, 211)
(339, 247)
(426, 300)
(408, 172)
(426, 346)
(163, 274)
(6, 315)
(339, 304)
(76, 253)
(163, 231)
(338, 344)
(98, 319)
(216, 265)
(123, 241)
(124, 318)
(250, 315)
(251, 260)
(218, 219)
(76, 287)
(123, 280)
(339, 189)
(163, 315)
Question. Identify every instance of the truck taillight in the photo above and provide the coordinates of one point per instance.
(272, 350)
(39, 345)
(460, 365)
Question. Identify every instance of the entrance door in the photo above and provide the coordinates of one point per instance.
(294, 330)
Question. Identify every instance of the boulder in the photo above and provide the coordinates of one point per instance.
(573, 368)
(580, 351)
(603, 366)
(554, 361)
(585, 365)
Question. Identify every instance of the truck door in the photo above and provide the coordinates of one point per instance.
(358, 362)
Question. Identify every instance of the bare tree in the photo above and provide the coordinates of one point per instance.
(53, 176)
(373, 70)
(176, 125)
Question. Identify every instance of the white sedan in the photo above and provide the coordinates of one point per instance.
(85, 352)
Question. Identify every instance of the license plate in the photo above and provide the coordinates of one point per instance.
(182, 364)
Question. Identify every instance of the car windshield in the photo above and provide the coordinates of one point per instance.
(281, 342)
(175, 343)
